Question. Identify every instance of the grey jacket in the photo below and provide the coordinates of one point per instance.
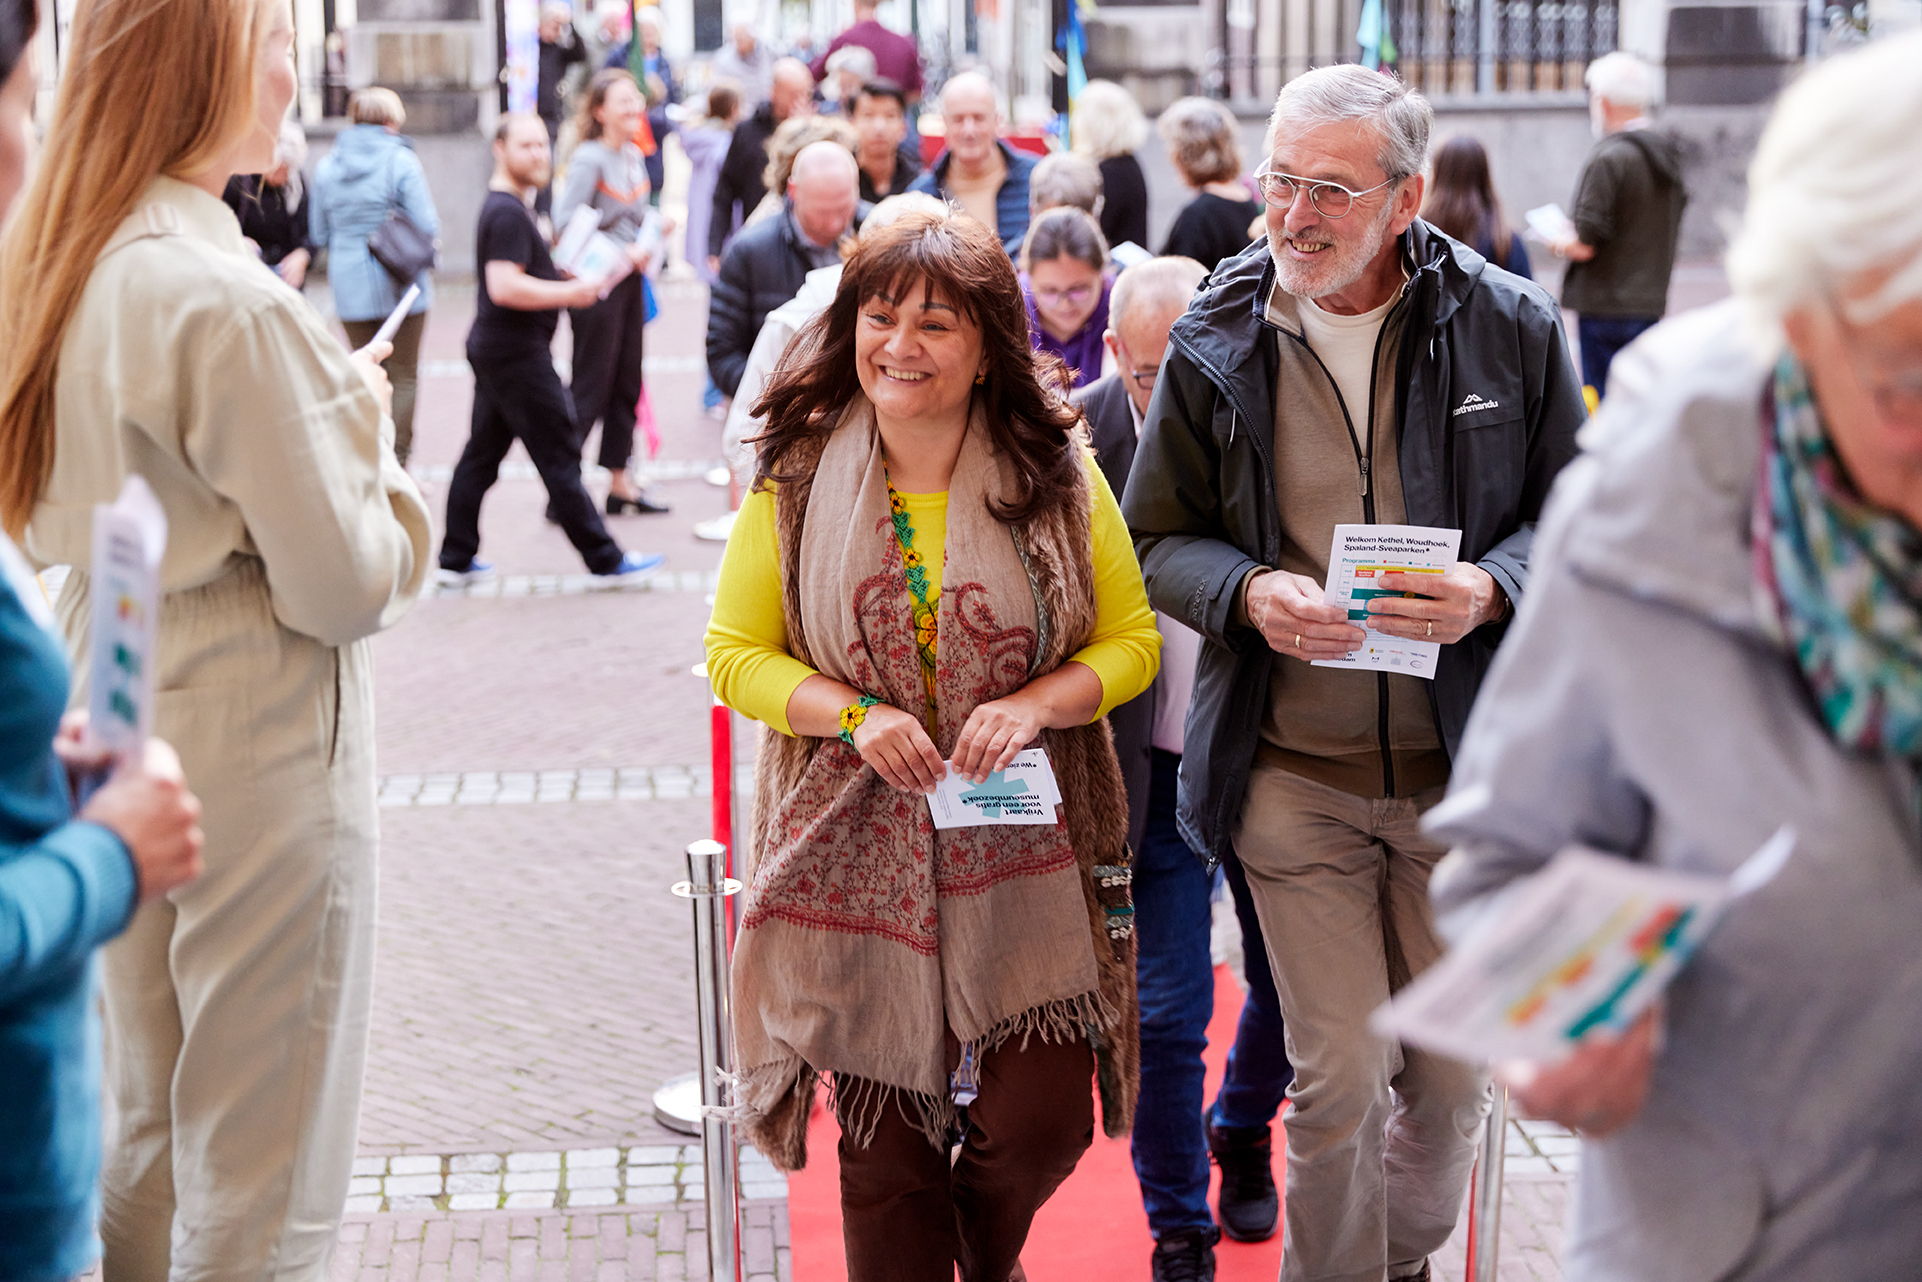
(1487, 404)
(1640, 706)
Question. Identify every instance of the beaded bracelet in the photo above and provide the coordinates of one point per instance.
(853, 715)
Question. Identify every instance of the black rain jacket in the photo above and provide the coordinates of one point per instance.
(1201, 495)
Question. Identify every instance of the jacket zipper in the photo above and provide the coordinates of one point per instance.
(1364, 460)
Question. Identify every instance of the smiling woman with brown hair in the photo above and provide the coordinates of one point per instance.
(931, 575)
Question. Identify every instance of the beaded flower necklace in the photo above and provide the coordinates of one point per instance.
(926, 611)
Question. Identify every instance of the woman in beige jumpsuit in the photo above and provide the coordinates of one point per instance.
(139, 335)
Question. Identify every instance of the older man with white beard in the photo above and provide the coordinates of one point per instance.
(1358, 367)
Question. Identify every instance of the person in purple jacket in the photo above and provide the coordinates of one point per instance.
(1064, 278)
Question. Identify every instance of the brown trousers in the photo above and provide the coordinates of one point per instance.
(909, 1213)
(403, 371)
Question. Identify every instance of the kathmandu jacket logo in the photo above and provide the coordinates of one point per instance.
(1474, 404)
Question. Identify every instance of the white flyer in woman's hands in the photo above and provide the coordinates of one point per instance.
(1023, 793)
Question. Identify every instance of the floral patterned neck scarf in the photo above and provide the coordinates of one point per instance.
(1840, 581)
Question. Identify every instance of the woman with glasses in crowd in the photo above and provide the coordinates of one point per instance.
(929, 577)
(1722, 641)
(1065, 282)
(143, 338)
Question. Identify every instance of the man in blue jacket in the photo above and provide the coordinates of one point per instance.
(1358, 367)
(976, 170)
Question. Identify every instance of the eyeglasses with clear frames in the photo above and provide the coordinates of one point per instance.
(1073, 296)
(1331, 200)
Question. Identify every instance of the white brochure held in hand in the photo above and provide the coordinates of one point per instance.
(1024, 793)
(1580, 948)
(1360, 556)
(588, 253)
(129, 538)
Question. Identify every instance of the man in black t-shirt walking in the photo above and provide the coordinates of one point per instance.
(517, 393)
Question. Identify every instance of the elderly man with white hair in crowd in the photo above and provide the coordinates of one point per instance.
(1724, 640)
(1358, 367)
(1627, 216)
(746, 62)
(1174, 1135)
(768, 262)
(986, 177)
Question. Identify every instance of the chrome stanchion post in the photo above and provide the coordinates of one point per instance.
(1485, 1194)
(708, 887)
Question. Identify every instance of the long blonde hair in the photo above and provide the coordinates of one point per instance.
(151, 87)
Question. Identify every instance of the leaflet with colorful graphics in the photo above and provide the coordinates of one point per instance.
(1580, 948)
(129, 538)
(1360, 556)
(1024, 793)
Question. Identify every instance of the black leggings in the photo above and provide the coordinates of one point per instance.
(607, 370)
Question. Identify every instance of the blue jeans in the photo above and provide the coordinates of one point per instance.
(1175, 974)
(1600, 338)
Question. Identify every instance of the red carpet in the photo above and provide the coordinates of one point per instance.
(1092, 1228)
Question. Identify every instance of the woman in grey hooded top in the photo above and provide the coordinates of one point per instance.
(1723, 637)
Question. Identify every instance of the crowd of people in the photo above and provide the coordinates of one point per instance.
(1008, 479)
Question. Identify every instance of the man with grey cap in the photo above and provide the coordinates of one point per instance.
(1359, 367)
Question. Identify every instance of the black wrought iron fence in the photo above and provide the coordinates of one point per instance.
(1443, 47)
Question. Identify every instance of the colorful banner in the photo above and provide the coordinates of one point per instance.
(522, 29)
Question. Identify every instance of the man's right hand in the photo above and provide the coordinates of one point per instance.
(583, 293)
(1292, 618)
(146, 804)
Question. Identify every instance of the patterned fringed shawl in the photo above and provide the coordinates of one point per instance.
(868, 935)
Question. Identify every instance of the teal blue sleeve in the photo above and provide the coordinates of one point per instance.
(61, 898)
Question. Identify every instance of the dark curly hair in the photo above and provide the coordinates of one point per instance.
(1023, 395)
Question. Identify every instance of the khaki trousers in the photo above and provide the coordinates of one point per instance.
(1381, 1137)
(237, 1007)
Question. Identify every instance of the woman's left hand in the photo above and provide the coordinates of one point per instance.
(639, 257)
(994, 733)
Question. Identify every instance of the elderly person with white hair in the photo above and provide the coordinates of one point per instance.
(272, 208)
(1106, 126)
(1724, 639)
(1627, 216)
